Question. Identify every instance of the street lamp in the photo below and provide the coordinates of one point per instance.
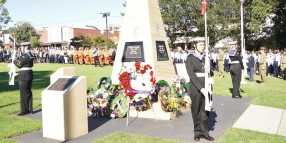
(106, 14)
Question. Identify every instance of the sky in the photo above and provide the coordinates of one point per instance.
(53, 13)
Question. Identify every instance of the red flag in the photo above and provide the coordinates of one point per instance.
(204, 8)
(241, 1)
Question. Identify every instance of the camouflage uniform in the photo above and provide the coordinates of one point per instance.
(220, 63)
(262, 67)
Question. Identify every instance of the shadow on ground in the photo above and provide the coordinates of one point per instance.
(41, 80)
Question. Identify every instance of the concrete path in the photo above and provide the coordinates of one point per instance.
(263, 119)
(226, 112)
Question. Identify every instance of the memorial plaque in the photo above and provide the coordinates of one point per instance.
(133, 52)
(62, 84)
(162, 54)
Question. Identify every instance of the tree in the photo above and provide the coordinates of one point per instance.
(4, 16)
(24, 31)
(35, 42)
(279, 29)
(100, 41)
(183, 18)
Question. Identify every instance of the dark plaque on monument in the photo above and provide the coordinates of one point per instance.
(62, 84)
(162, 54)
(133, 52)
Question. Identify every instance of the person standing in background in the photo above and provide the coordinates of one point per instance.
(262, 65)
(250, 66)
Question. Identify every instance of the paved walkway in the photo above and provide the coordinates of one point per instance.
(226, 112)
(263, 119)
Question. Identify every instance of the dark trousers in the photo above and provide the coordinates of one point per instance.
(26, 96)
(267, 69)
(216, 64)
(250, 73)
(200, 115)
(276, 68)
(226, 65)
(235, 72)
(96, 61)
(257, 67)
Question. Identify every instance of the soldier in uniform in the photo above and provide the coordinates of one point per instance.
(262, 65)
(25, 64)
(195, 68)
(283, 65)
(236, 66)
(221, 63)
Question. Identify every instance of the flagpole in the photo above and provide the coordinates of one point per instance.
(206, 34)
(242, 45)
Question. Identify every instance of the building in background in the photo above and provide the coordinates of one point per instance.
(61, 36)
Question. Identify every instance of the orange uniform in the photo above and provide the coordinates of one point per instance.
(75, 57)
(80, 56)
(106, 57)
(100, 56)
(86, 56)
(91, 57)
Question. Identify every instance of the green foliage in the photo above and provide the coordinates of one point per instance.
(185, 16)
(4, 14)
(100, 41)
(35, 42)
(97, 41)
(279, 29)
(24, 31)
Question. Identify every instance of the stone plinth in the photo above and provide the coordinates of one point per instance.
(68, 71)
(64, 108)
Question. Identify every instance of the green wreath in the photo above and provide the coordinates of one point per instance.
(122, 99)
(104, 81)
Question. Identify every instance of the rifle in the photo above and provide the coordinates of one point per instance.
(208, 80)
(12, 67)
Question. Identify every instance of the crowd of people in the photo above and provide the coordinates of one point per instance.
(220, 60)
(63, 55)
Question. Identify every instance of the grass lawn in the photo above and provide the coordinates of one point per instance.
(272, 94)
(234, 135)
(124, 138)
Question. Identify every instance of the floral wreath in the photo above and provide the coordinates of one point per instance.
(125, 78)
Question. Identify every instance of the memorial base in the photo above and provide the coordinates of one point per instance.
(159, 113)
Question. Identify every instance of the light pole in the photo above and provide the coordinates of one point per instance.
(106, 14)
(242, 44)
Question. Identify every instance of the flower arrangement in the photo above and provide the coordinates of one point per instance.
(97, 102)
(178, 97)
(137, 80)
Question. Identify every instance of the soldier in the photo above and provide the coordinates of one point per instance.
(283, 65)
(25, 64)
(236, 66)
(262, 66)
(195, 68)
(221, 63)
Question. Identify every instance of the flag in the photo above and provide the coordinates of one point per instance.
(204, 7)
(241, 1)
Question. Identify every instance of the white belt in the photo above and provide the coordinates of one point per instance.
(201, 74)
(25, 69)
(234, 62)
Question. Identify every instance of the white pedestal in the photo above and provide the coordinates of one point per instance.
(64, 112)
(68, 71)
